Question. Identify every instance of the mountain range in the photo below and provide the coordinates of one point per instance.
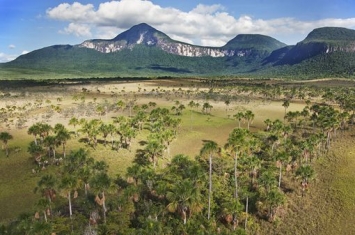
(144, 51)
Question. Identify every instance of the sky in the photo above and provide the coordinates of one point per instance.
(27, 25)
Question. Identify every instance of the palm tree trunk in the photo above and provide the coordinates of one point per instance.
(64, 150)
(246, 214)
(70, 209)
(236, 175)
(280, 174)
(7, 150)
(210, 188)
(104, 206)
(45, 216)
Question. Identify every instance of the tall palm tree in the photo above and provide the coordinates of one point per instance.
(51, 142)
(268, 180)
(281, 157)
(274, 199)
(69, 183)
(154, 149)
(44, 130)
(36, 151)
(35, 130)
(305, 172)
(237, 142)
(167, 137)
(62, 137)
(46, 185)
(184, 198)
(209, 148)
(249, 116)
(111, 130)
(286, 104)
(74, 122)
(239, 116)
(5, 137)
(104, 129)
(100, 183)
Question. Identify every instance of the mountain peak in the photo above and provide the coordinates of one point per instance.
(331, 34)
(140, 34)
(254, 41)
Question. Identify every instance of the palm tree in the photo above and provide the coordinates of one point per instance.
(36, 151)
(62, 136)
(237, 141)
(206, 108)
(44, 205)
(249, 116)
(184, 198)
(5, 137)
(100, 183)
(35, 131)
(281, 158)
(51, 142)
(227, 103)
(44, 130)
(268, 180)
(104, 129)
(305, 172)
(286, 104)
(69, 183)
(74, 122)
(91, 130)
(209, 148)
(239, 116)
(274, 199)
(111, 129)
(154, 149)
(167, 137)
(46, 186)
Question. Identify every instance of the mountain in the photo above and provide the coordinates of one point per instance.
(144, 34)
(321, 41)
(144, 51)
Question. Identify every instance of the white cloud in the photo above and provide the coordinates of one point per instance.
(12, 46)
(6, 57)
(24, 52)
(75, 12)
(208, 25)
(205, 9)
(80, 30)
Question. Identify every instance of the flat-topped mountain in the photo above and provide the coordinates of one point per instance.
(321, 41)
(145, 51)
(143, 34)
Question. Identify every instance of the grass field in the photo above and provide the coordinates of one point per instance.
(327, 208)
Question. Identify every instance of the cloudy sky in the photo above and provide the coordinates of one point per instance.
(27, 25)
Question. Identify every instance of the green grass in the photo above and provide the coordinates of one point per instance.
(17, 180)
(328, 208)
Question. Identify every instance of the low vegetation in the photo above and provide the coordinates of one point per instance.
(174, 156)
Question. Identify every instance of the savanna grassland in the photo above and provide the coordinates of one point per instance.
(178, 156)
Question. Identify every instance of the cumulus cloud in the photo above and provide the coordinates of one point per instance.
(12, 46)
(80, 30)
(6, 57)
(209, 25)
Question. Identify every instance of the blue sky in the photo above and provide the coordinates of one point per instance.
(27, 25)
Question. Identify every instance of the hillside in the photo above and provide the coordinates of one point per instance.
(144, 51)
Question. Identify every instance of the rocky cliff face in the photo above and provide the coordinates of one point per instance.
(177, 48)
(147, 35)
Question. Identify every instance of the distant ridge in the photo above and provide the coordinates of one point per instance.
(145, 51)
